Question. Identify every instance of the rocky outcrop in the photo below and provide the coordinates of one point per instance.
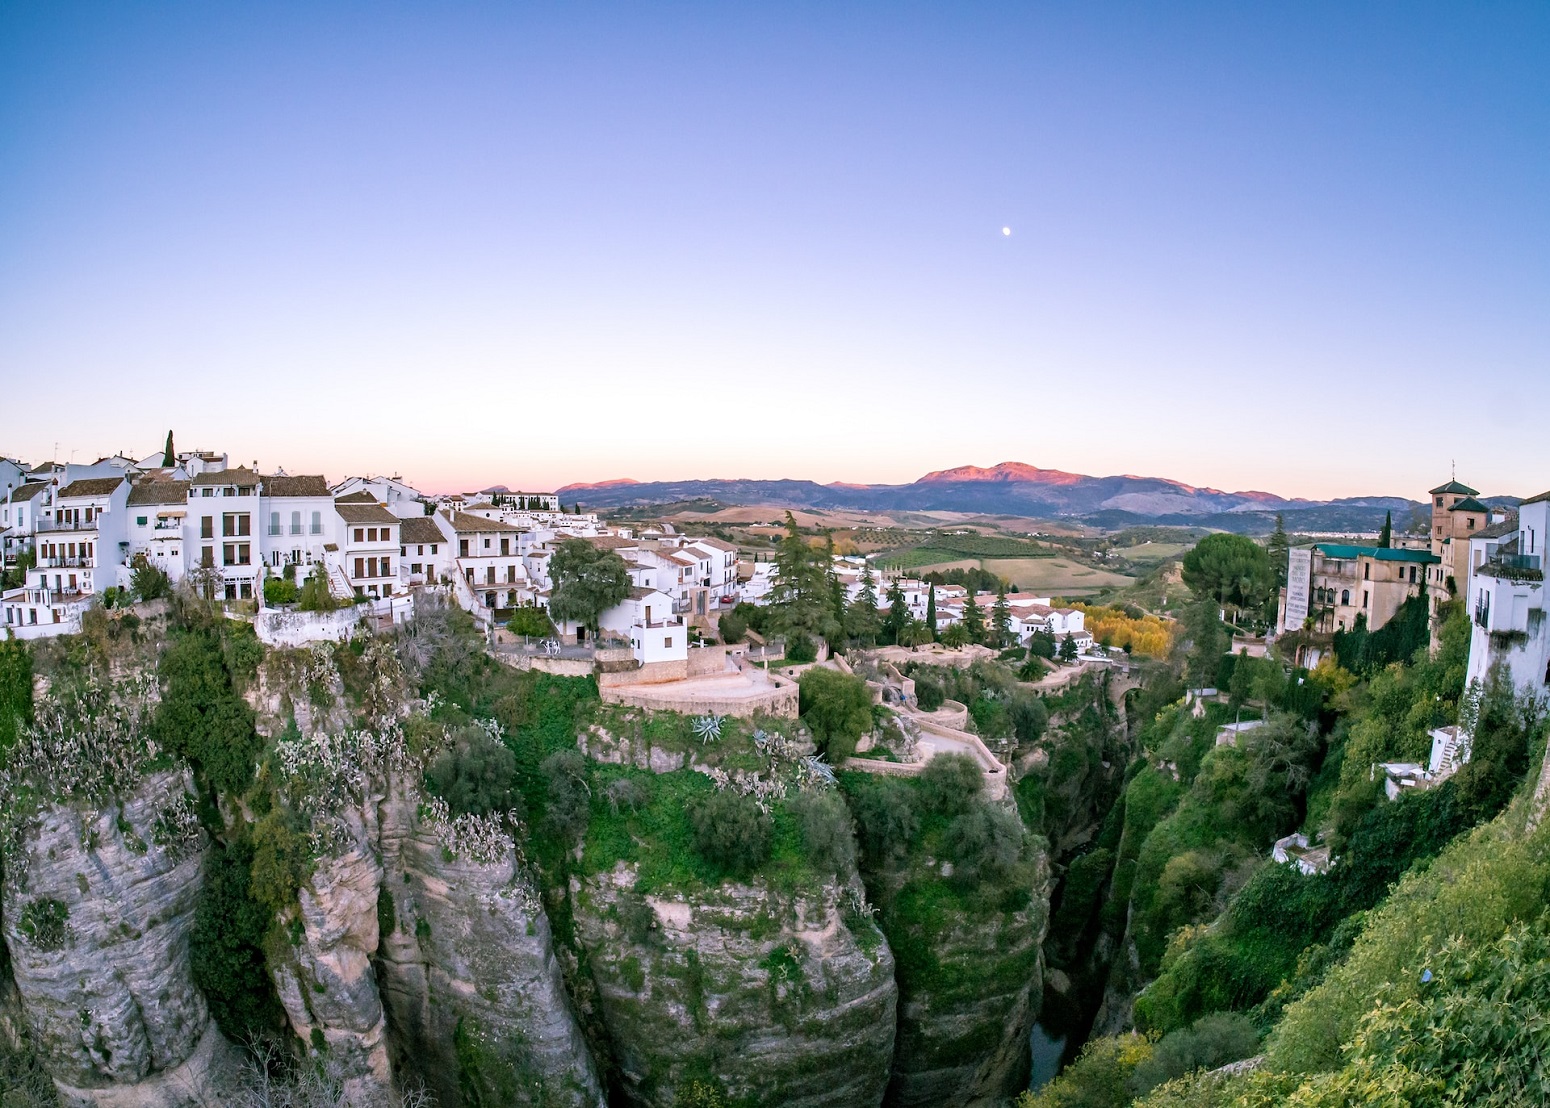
(324, 978)
(769, 996)
(475, 997)
(98, 907)
(971, 982)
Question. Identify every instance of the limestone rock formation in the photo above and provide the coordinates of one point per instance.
(98, 907)
(773, 997)
(475, 996)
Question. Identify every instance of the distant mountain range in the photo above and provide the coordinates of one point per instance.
(1016, 489)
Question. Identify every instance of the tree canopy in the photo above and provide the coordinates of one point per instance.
(1233, 569)
(587, 582)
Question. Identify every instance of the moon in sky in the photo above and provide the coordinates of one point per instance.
(1006, 230)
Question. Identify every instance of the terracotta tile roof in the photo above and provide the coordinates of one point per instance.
(239, 476)
(482, 506)
(92, 486)
(717, 544)
(1497, 530)
(608, 542)
(1537, 499)
(301, 485)
(420, 529)
(362, 497)
(365, 513)
(159, 492)
(465, 524)
(28, 491)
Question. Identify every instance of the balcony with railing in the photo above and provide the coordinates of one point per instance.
(66, 562)
(49, 525)
(1514, 567)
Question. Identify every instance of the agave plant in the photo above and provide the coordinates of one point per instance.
(819, 768)
(707, 727)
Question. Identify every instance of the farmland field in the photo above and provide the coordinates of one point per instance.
(1044, 576)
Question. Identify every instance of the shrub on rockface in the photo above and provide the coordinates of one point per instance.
(226, 948)
(827, 831)
(950, 784)
(476, 775)
(731, 833)
(886, 814)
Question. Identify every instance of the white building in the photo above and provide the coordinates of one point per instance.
(393, 493)
(221, 525)
(1509, 632)
(299, 521)
(80, 546)
(157, 511)
(19, 517)
(489, 561)
(369, 545)
(425, 551)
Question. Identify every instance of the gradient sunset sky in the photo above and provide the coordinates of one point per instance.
(1299, 247)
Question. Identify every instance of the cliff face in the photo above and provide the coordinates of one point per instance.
(476, 1002)
(970, 984)
(772, 997)
(325, 979)
(97, 908)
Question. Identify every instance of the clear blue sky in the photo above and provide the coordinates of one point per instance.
(1293, 246)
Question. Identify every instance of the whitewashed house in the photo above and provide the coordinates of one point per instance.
(489, 562)
(368, 547)
(19, 517)
(425, 550)
(80, 544)
(157, 511)
(1509, 632)
(221, 526)
(393, 493)
(299, 522)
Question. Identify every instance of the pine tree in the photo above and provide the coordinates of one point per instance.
(1386, 536)
(1068, 649)
(1277, 547)
(836, 587)
(931, 611)
(1001, 619)
(898, 617)
(169, 457)
(862, 621)
(973, 619)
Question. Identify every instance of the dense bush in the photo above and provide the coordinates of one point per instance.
(568, 797)
(984, 843)
(1099, 1078)
(886, 816)
(530, 620)
(476, 775)
(279, 590)
(1211, 1042)
(731, 832)
(226, 948)
(950, 784)
(837, 708)
(828, 835)
(147, 580)
(800, 648)
(928, 694)
(15, 690)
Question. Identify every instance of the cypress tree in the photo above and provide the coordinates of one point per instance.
(1001, 618)
(931, 612)
(973, 619)
(1386, 536)
(169, 457)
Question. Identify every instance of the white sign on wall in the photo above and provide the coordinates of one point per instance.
(1299, 581)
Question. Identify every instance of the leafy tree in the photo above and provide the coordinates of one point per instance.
(973, 619)
(898, 617)
(201, 716)
(1042, 644)
(1276, 550)
(147, 580)
(277, 591)
(929, 694)
(1386, 536)
(1232, 569)
(169, 456)
(477, 775)
(862, 620)
(931, 610)
(226, 947)
(731, 627)
(731, 832)
(837, 707)
(828, 834)
(530, 620)
(587, 582)
(1001, 620)
(800, 648)
(1206, 641)
(1213, 1041)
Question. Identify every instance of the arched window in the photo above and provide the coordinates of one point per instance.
(1345, 596)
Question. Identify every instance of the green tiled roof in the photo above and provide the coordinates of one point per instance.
(1457, 486)
(1469, 504)
(1376, 553)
